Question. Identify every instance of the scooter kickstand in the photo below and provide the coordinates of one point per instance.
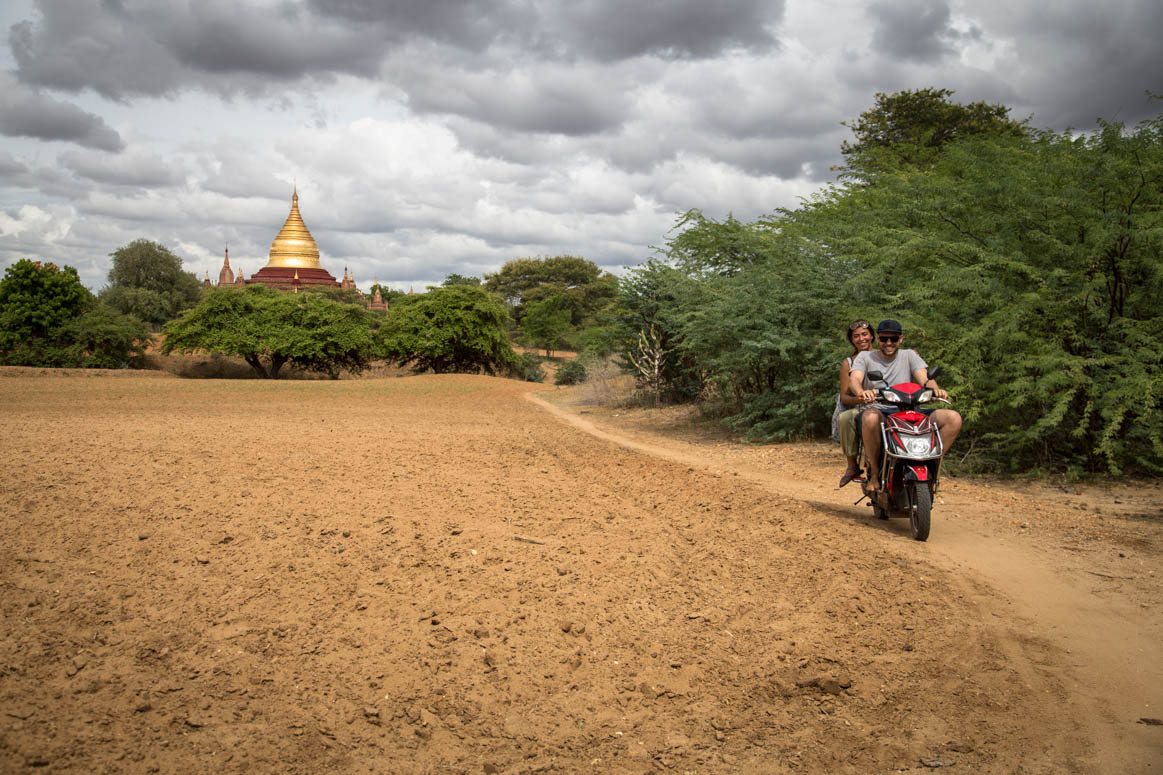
(862, 497)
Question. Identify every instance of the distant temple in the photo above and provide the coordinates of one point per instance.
(226, 275)
(293, 264)
(378, 302)
(294, 258)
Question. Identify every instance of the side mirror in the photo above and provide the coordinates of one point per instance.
(934, 371)
(875, 376)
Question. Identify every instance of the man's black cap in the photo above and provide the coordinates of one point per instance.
(888, 327)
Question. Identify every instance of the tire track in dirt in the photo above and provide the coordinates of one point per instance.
(1107, 648)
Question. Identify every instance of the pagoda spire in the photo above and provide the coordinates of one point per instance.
(225, 275)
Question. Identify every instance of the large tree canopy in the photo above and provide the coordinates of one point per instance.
(911, 126)
(581, 283)
(1027, 264)
(147, 280)
(269, 329)
(461, 328)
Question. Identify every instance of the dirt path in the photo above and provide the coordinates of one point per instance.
(434, 575)
(1101, 615)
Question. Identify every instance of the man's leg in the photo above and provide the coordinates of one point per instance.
(870, 432)
(948, 425)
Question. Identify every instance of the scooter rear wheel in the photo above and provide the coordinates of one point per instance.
(920, 513)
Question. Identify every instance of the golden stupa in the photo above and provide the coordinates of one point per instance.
(293, 245)
(294, 257)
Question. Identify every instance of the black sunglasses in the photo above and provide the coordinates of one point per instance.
(889, 338)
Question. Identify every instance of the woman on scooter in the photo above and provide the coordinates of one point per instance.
(848, 404)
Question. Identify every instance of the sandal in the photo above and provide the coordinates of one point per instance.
(850, 476)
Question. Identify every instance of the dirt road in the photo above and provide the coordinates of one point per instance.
(434, 574)
(1041, 559)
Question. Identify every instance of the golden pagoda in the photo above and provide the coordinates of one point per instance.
(294, 257)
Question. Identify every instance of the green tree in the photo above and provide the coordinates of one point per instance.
(146, 280)
(341, 295)
(702, 246)
(269, 329)
(103, 338)
(910, 127)
(583, 285)
(745, 316)
(47, 318)
(1030, 267)
(455, 329)
(459, 279)
(649, 296)
(546, 324)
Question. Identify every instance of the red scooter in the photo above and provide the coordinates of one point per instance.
(910, 462)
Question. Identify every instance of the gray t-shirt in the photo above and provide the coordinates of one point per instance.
(899, 369)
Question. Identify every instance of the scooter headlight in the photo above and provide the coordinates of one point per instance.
(919, 445)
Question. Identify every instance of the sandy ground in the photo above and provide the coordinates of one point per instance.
(441, 574)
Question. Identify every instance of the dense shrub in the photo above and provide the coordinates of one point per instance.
(528, 367)
(1025, 263)
(570, 373)
(47, 318)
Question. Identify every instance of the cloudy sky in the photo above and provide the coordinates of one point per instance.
(436, 136)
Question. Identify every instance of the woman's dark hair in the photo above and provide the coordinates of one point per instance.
(856, 326)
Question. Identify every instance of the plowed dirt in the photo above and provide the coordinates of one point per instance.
(435, 574)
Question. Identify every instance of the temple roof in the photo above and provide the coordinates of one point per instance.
(294, 246)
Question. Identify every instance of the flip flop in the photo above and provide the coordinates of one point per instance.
(846, 478)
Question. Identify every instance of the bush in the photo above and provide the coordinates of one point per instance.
(571, 373)
(47, 318)
(103, 338)
(528, 367)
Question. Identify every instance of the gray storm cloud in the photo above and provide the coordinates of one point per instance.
(432, 132)
(25, 113)
(912, 30)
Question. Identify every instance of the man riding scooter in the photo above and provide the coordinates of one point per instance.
(895, 365)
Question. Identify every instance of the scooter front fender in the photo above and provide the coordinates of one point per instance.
(918, 473)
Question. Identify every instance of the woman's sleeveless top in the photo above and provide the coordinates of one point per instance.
(839, 408)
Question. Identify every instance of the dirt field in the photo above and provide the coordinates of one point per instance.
(438, 574)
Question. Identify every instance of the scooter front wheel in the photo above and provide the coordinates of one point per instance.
(921, 509)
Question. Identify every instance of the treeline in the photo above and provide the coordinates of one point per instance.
(1027, 263)
(48, 318)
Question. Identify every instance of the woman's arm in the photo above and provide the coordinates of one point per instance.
(846, 396)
